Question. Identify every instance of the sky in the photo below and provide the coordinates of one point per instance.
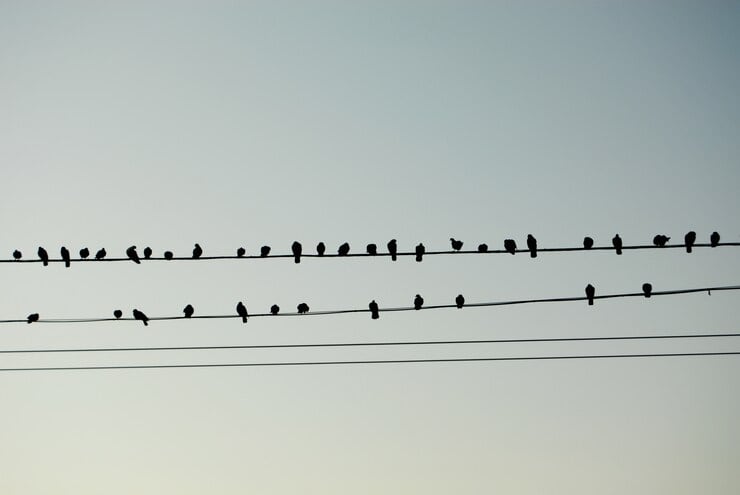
(235, 124)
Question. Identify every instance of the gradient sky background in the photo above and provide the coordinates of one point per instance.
(248, 123)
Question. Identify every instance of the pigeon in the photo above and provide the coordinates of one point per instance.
(65, 256)
(590, 291)
(17, 254)
(117, 313)
(418, 301)
(460, 301)
(84, 253)
(617, 243)
(588, 242)
(240, 252)
(532, 245)
(241, 310)
(647, 289)
(302, 308)
(133, 255)
(714, 239)
(420, 250)
(689, 239)
(188, 310)
(482, 248)
(372, 249)
(265, 251)
(138, 315)
(456, 245)
(660, 240)
(100, 254)
(44, 256)
(374, 311)
(320, 248)
(197, 251)
(32, 318)
(343, 249)
(168, 255)
(393, 249)
(274, 309)
(510, 246)
(147, 253)
(297, 250)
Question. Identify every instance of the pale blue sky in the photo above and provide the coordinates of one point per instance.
(248, 123)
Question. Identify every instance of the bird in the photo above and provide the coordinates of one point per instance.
(147, 252)
(689, 239)
(393, 249)
(660, 240)
(483, 248)
(532, 245)
(456, 245)
(84, 253)
(117, 313)
(133, 255)
(588, 242)
(168, 255)
(138, 315)
(617, 243)
(714, 239)
(372, 249)
(188, 310)
(240, 252)
(17, 254)
(418, 301)
(44, 256)
(510, 246)
(320, 248)
(100, 254)
(302, 308)
(197, 251)
(460, 301)
(297, 250)
(32, 318)
(65, 256)
(343, 249)
(590, 291)
(265, 251)
(647, 289)
(420, 250)
(274, 309)
(374, 311)
(241, 310)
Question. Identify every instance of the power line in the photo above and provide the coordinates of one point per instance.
(380, 361)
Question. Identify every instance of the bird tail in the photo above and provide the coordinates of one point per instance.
(146, 323)
(394, 257)
(46, 262)
(297, 258)
(244, 319)
(66, 263)
(375, 315)
(688, 248)
(533, 253)
(590, 301)
(619, 250)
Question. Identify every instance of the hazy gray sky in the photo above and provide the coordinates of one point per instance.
(248, 123)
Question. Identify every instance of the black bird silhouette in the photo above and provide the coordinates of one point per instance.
(188, 310)
(17, 254)
(617, 243)
(456, 245)
(100, 254)
(393, 249)
(274, 309)
(65, 256)
(588, 242)
(44, 256)
(418, 301)
(168, 255)
(138, 315)
(133, 255)
(343, 249)
(460, 301)
(197, 251)
(297, 250)
(302, 308)
(420, 250)
(320, 248)
(84, 253)
(647, 289)
(241, 252)
(372, 249)
(689, 239)
(510, 246)
(374, 311)
(265, 251)
(532, 245)
(660, 240)
(714, 239)
(590, 292)
(147, 253)
(482, 248)
(241, 310)
(117, 313)
(32, 318)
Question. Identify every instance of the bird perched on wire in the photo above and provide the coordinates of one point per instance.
(482, 248)
(590, 292)
(420, 250)
(265, 251)
(689, 240)
(65, 256)
(33, 317)
(274, 309)
(17, 254)
(456, 245)
(532, 245)
(44, 256)
(393, 249)
(372, 249)
(197, 251)
(374, 311)
(418, 301)
(168, 255)
(343, 249)
(320, 248)
(617, 243)
(100, 254)
(133, 255)
(297, 250)
(510, 246)
(138, 315)
(188, 310)
(660, 240)
(241, 252)
(241, 310)
(588, 242)
(117, 313)
(84, 253)
(714, 239)
(147, 252)
(647, 289)
(302, 308)
(459, 301)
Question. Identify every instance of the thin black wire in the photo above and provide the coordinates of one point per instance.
(374, 344)
(396, 309)
(381, 361)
